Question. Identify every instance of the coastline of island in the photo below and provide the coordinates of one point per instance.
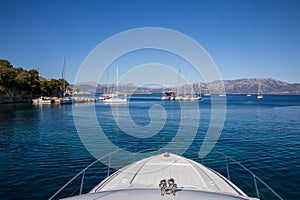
(20, 85)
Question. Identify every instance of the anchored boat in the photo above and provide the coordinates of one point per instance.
(65, 99)
(42, 100)
(115, 98)
(259, 93)
(169, 95)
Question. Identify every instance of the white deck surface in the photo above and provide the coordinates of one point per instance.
(187, 174)
(141, 181)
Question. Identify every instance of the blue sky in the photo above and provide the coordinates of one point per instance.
(245, 38)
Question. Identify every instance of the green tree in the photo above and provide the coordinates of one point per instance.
(34, 81)
(22, 80)
(7, 77)
(50, 87)
(28, 80)
(5, 63)
(17, 79)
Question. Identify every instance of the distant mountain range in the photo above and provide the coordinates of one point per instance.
(250, 85)
(239, 86)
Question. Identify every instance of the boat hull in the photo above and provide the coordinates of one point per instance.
(66, 101)
(115, 101)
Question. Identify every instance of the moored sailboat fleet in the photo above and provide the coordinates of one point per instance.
(115, 97)
(172, 95)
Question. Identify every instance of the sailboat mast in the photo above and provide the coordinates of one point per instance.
(107, 84)
(117, 80)
(177, 91)
(63, 87)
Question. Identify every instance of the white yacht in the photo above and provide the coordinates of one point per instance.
(165, 176)
(65, 100)
(106, 96)
(115, 97)
(196, 98)
(259, 93)
(168, 95)
(115, 100)
(42, 100)
(193, 96)
(260, 96)
(186, 98)
(179, 98)
(206, 93)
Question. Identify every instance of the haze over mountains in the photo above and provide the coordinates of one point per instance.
(239, 86)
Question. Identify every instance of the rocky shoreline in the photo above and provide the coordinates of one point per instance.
(15, 97)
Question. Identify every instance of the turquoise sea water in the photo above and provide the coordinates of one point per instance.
(40, 149)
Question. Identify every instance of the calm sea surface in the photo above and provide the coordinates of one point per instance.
(40, 149)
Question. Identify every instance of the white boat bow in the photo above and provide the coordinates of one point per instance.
(165, 176)
(143, 180)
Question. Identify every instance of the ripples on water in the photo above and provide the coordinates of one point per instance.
(40, 149)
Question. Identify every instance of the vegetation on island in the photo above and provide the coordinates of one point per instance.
(28, 83)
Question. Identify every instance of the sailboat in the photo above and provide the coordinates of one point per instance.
(115, 99)
(259, 93)
(65, 99)
(206, 92)
(185, 97)
(199, 96)
(178, 96)
(107, 94)
(194, 96)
